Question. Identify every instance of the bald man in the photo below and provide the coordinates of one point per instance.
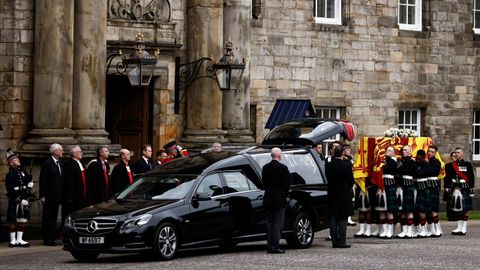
(276, 179)
(122, 175)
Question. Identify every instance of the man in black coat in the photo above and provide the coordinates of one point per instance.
(51, 181)
(121, 174)
(276, 179)
(144, 164)
(340, 180)
(74, 183)
(98, 185)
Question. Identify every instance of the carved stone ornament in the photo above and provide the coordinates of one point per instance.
(140, 10)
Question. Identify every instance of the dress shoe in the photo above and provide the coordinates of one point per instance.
(12, 245)
(276, 251)
(342, 246)
(328, 238)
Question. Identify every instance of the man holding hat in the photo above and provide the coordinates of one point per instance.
(18, 184)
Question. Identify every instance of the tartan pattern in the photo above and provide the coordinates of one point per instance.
(392, 202)
(466, 200)
(408, 199)
(435, 199)
(423, 202)
(359, 203)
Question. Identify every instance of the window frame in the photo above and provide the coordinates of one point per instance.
(418, 123)
(475, 137)
(418, 17)
(336, 20)
(475, 9)
(326, 143)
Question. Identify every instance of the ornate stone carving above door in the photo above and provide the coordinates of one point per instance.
(139, 10)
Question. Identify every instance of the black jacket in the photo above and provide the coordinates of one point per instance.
(340, 181)
(452, 174)
(74, 192)
(276, 180)
(141, 166)
(120, 177)
(98, 188)
(51, 181)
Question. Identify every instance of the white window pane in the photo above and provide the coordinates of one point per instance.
(411, 2)
(402, 14)
(321, 7)
(330, 8)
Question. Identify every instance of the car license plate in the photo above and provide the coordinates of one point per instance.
(92, 240)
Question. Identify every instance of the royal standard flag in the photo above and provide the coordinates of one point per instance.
(370, 157)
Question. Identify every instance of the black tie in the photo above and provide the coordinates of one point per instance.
(58, 167)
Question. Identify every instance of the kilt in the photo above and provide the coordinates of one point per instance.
(435, 199)
(392, 202)
(423, 202)
(408, 199)
(363, 202)
(13, 214)
(466, 200)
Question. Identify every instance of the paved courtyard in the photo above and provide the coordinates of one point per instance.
(372, 253)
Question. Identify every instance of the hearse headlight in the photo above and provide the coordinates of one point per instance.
(136, 222)
(68, 222)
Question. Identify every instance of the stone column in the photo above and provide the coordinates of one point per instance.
(204, 99)
(236, 105)
(88, 111)
(53, 69)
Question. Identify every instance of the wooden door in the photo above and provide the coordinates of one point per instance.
(128, 114)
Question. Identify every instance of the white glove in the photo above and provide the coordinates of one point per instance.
(30, 185)
(471, 195)
(24, 202)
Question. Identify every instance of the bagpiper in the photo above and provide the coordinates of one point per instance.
(460, 181)
(18, 184)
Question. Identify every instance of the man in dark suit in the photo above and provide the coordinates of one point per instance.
(340, 180)
(51, 181)
(276, 179)
(121, 174)
(98, 179)
(144, 164)
(74, 183)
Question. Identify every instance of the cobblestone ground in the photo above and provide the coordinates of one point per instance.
(371, 253)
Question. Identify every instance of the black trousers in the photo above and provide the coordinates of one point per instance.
(275, 219)
(338, 230)
(49, 220)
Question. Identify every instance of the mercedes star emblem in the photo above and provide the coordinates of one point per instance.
(92, 226)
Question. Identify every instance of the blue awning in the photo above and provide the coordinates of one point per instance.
(286, 110)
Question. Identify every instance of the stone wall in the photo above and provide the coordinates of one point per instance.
(370, 67)
(16, 78)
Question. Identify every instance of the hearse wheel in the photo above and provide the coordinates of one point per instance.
(165, 244)
(302, 232)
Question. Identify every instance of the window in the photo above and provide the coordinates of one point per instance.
(237, 181)
(476, 16)
(476, 135)
(330, 113)
(410, 15)
(210, 185)
(327, 11)
(409, 119)
(301, 164)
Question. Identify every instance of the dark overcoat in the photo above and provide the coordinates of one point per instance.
(340, 181)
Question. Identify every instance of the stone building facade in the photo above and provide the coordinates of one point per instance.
(55, 87)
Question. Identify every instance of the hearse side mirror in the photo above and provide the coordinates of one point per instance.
(202, 196)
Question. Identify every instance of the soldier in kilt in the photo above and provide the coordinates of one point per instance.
(387, 203)
(18, 184)
(422, 204)
(433, 184)
(406, 172)
(460, 181)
